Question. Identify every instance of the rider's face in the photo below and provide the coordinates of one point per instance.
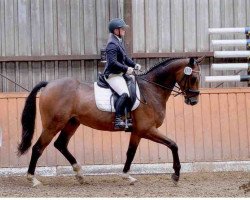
(120, 32)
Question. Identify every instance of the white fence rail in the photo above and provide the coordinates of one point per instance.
(237, 78)
(230, 66)
(231, 54)
(243, 42)
(229, 30)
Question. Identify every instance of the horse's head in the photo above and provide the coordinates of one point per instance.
(188, 78)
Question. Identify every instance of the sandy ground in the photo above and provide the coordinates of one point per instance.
(226, 184)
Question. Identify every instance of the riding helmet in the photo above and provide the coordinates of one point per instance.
(116, 23)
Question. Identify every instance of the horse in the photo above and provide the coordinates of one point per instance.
(66, 103)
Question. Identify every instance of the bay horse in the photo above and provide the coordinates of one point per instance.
(66, 103)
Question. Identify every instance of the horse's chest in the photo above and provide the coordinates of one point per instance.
(157, 112)
(159, 117)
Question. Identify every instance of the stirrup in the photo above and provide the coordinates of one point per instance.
(119, 124)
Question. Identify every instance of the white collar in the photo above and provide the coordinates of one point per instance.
(120, 40)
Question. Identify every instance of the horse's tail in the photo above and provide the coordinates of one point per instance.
(28, 119)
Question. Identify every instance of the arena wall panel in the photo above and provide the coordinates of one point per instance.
(216, 129)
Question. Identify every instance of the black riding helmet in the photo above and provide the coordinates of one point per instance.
(116, 23)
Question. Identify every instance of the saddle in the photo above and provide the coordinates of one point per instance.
(106, 97)
(104, 90)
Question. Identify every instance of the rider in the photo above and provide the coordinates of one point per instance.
(118, 64)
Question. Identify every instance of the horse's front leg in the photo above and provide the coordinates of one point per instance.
(133, 144)
(156, 136)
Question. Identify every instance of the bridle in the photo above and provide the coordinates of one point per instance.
(188, 71)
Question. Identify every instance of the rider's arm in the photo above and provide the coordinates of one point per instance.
(129, 62)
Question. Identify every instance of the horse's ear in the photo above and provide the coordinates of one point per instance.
(191, 62)
(199, 60)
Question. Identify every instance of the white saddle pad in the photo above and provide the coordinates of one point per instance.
(105, 103)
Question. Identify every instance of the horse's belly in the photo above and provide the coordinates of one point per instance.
(96, 119)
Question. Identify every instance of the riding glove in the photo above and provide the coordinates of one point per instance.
(130, 70)
(137, 67)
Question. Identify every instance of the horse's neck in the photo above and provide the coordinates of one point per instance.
(156, 92)
(156, 96)
(164, 79)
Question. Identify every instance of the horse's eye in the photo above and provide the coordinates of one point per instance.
(193, 80)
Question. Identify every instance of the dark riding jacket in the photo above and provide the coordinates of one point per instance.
(117, 60)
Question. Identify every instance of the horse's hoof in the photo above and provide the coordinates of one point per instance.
(79, 179)
(33, 180)
(175, 178)
(132, 180)
(37, 183)
(129, 178)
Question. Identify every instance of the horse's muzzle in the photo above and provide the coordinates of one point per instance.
(193, 99)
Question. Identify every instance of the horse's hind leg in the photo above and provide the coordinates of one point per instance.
(62, 145)
(133, 144)
(37, 150)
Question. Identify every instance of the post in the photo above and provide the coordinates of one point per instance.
(248, 73)
(248, 48)
(1, 136)
(128, 17)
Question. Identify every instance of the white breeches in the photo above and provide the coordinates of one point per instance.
(118, 83)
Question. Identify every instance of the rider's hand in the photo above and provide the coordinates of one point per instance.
(137, 67)
(130, 70)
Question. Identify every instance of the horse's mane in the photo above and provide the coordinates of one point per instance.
(159, 64)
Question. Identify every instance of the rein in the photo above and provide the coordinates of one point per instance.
(162, 86)
(159, 85)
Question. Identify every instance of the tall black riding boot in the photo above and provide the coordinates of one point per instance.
(119, 107)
